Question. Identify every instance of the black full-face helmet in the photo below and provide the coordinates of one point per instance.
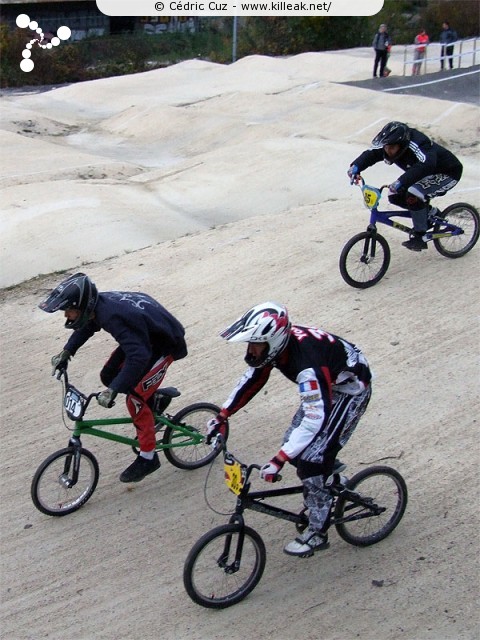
(75, 292)
(393, 133)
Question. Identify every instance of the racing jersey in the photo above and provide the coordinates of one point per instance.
(319, 363)
(422, 158)
(143, 328)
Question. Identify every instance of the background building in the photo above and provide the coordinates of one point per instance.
(84, 18)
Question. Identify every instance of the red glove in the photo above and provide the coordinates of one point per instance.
(214, 426)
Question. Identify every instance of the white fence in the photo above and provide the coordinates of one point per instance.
(466, 53)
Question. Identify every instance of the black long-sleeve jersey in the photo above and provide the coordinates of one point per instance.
(319, 362)
(142, 327)
(423, 157)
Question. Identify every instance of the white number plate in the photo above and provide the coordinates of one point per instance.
(73, 404)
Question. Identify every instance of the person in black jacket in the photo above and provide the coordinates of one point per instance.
(447, 37)
(430, 170)
(149, 339)
(381, 46)
(334, 384)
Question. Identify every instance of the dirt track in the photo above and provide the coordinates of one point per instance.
(114, 569)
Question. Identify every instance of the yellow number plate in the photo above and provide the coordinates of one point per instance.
(370, 197)
(234, 476)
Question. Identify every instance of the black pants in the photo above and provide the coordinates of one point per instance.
(447, 52)
(417, 198)
(380, 58)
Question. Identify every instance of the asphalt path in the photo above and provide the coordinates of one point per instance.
(456, 85)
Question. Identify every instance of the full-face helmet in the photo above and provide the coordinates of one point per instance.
(75, 292)
(393, 133)
(265, 323)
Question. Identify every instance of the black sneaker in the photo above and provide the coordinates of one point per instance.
(416, 242)
(140, 468)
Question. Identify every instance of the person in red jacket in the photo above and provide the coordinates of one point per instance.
(149, 339)
(334, 384)
(421, 42)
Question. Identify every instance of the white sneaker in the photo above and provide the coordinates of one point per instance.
(306, 544)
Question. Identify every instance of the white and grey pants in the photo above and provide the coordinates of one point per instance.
(315, 463)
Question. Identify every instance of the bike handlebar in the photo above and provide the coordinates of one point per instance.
(221, 443)
(359, 181)
(62, 373)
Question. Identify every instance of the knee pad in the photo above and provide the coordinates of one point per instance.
(414, 203)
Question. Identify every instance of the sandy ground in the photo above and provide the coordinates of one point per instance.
(213, 188)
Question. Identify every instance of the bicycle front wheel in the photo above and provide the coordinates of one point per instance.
(187, 448)
(383, 493)
(464, 216)
(52, 489)
(364, 260)
(224, 566)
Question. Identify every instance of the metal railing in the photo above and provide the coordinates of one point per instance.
(466, 53)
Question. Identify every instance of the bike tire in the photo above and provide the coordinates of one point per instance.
(209, 577)
(191, 456)
(466, 217)
(387, 488)
(358, 267)
(49, 490)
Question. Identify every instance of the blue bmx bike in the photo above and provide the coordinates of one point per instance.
(366, 257)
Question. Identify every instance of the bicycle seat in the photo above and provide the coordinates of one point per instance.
(171, 392)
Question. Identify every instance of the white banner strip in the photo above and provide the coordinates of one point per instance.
(204, 8)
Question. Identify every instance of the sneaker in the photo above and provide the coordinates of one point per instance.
(140, 468)
(338, 466)
(306, 544)
(416, 242)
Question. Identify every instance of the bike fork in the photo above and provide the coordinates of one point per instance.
(70, 475)
(370, 245)
(232, 567)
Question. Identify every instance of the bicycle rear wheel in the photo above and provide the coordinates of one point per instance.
(364, 260)
(464, 216)
(51, 490)
(384, 493)
(181, 449)
(224, 566)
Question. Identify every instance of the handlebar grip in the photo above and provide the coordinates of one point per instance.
(60, 371)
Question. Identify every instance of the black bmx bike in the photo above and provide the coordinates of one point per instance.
(365, 258)
(227, 563)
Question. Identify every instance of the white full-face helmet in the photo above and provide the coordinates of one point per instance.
(268, 323)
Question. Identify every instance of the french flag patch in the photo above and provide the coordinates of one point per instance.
(310, 385)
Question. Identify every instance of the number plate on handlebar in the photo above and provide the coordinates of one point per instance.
(234, 474)
(371, 196)
(73, 403)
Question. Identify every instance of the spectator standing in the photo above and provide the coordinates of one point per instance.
(380, 44)
(421, 42)
(447, 37)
